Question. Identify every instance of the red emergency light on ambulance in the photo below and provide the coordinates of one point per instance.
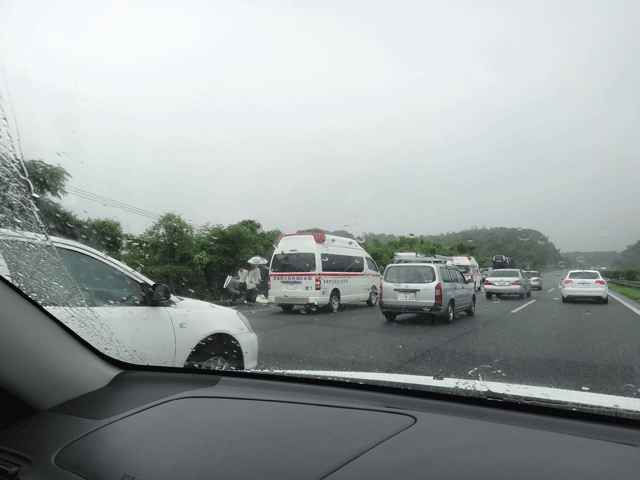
(318, 270)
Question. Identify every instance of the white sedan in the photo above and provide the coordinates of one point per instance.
(121, 312)
(584, 285)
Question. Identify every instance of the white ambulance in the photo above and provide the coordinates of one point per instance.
(318, 270)
(469, 268)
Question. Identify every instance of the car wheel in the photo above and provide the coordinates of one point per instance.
(219, 356)
(286, 308)
(565, 299)
(448, 316)
(605, 300)
(334, 302)
(471, 311)
(373, 298)
(488, 295)
(522, 295)
(390, 317)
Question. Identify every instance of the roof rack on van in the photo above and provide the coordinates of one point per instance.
(408, 254)
(405, 257)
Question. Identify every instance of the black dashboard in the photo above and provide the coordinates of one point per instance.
(155, 425)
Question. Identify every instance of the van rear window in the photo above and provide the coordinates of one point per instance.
(463, 268)
(293, 262)
(341, 263)
(413, 274)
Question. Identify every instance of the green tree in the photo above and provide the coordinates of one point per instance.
(47, 179)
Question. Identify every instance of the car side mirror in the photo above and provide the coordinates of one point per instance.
(161, 293)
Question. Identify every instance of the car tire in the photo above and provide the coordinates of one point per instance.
(334, 302)
(448, 315)
(522, 295)
(605, 300)
(488, 295)
(373, 298)
(390, 317)
(471, 311)
(218, 356)
(565, 299)
(286, 308)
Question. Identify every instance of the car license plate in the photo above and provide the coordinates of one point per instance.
(406, 296)
(583, 285)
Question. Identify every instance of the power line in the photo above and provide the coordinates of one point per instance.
(116, 204)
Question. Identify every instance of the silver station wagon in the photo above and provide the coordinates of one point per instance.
(419, 288)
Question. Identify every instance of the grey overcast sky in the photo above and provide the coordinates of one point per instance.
(383, 116)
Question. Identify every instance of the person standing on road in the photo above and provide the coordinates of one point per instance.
(253, 280)
(242, 279)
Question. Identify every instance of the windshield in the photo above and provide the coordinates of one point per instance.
(227, 185)
(504, 273)
(584, 275)
(409, 274)
(293, 262)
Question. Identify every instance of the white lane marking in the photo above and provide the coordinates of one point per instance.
(520, 308)
(552, 289)
(628, 305)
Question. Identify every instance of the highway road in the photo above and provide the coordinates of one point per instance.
(536, 341)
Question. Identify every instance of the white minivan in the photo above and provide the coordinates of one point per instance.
(318, 270)
(469, 268)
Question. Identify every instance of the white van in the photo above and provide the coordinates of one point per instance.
(319, 270)
(469, 268)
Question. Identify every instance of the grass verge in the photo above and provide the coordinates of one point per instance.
(630, 292)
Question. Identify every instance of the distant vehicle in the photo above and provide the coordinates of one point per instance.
(500, 261)
(504, 281)
(318, 270)
(484, 273)
(469, 268)
(435, 289)
(584, 285)
(534, 278)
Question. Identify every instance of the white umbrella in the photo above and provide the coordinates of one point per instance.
(257, 261)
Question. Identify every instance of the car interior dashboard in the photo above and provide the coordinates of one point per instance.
(109, 420)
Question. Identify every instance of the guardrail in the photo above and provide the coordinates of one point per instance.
(623, 282)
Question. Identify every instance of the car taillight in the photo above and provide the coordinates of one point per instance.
(438, 293)
(487, 282)
(380, 292)
(567, 282)
(517, 282)
(318, 282)
(600, 282)
(269, 282)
